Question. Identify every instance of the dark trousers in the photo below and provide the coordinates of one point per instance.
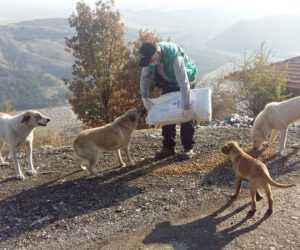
(187, 129)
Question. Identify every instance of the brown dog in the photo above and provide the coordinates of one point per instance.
(111, 137)
(247, 167)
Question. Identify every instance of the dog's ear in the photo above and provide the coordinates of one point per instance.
(143, 112)
(25, 118)
(132, 118)
(225, 149)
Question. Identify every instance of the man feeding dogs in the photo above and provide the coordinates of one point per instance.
(171, 70)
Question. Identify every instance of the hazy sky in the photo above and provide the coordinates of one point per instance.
(17, 10)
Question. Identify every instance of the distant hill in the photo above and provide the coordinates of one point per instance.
(189, 27)
(281, 34)
(36, 45)
(27, 89)
(33, 59)
(32, 63)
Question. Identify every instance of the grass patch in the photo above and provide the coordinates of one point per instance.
(50, 136)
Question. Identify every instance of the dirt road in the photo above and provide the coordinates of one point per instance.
(167, 204)
(225, 224)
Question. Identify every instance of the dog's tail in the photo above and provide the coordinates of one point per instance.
(276, 184)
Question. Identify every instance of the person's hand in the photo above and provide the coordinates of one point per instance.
(187, 114)
(147, 103)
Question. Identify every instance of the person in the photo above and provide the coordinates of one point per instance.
(172, 70)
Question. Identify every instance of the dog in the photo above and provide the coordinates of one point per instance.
(247, 167)
(16, 131)
(111, 137)
(275, 117)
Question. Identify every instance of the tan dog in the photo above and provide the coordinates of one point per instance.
(111, 137)
(247, 167)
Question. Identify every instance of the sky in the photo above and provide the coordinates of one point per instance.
(19, 10)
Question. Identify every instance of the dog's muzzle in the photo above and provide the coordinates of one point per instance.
(44, 122)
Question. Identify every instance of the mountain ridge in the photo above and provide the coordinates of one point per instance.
(281, 34)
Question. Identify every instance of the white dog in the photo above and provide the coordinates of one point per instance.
(16, 131)
(275, 117)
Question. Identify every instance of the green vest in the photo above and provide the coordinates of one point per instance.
(169, 52)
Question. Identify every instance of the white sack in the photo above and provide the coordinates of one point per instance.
(167, 108)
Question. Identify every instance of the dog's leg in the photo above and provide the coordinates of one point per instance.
(118, 154)
(19, 174)
(238, 187)
(253, 199)
(126, 150)
(3, 162)
(272, 136)
(91, 167)
(267, 188)
(283, 133)
(28, 146)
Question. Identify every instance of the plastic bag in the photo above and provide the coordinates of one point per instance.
(167, 108)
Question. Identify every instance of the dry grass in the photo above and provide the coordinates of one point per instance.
(53, 137)
(213, 161)
(47, 136)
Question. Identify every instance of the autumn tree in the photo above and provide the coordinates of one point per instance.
(259, 82)
(100, 53)
(127, 94)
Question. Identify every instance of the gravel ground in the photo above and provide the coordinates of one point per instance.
(167, 204)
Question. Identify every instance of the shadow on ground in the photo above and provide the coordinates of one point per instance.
(223, 175)
(202, 233)
(59, 199)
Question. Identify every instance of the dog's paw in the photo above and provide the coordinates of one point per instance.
(20, 176)
(269, 211)
(251, 212)
(97, 174)
(32, 172)
(83, 167)
(233, 196)
(265, 144)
